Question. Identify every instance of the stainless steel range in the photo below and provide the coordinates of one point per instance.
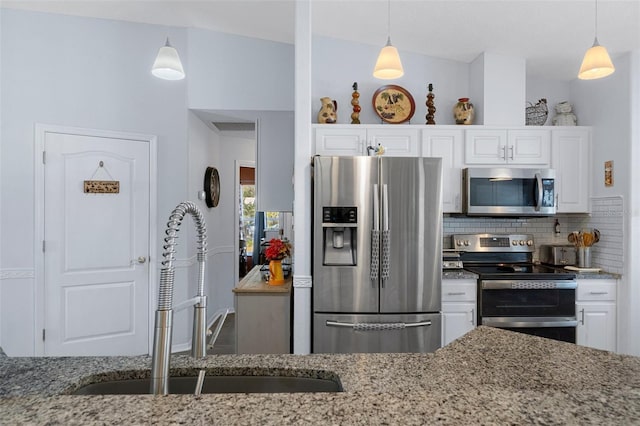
(513, 292)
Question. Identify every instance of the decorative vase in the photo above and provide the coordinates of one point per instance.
(431, 108)
(276, 276)
(328, 111)
(463, 111)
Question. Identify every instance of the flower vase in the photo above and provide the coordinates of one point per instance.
(276, 276)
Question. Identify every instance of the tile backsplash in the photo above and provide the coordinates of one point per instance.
(606, 216)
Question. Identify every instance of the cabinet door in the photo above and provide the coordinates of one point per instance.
(596, 325)
(397, 142)
(531, 147)
(457, 320)
(571, 159)
(485, 147)
(340, 141)
(447, 144)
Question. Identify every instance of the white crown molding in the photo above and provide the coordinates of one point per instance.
(302, 281)
(17, 274)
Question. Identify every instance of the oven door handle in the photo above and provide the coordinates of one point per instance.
(528, 284)
(529, 322)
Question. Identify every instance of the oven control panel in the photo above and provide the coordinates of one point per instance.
(493, 242)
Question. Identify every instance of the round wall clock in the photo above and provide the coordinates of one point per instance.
(211, 187)
(393, 104)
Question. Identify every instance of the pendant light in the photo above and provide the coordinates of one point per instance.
(167, 65)
(596, 62)
(388, 65)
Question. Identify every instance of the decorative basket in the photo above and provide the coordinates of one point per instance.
(536, 115)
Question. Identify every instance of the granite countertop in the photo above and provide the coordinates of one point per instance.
(488, 376)
(458, 274)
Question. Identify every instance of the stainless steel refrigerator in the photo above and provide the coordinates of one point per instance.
(377, 254)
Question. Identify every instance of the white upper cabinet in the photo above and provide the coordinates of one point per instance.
(331, 140)
(571, 159)
(448, 145)
(397, 141)
(352, 140)
(515, 147)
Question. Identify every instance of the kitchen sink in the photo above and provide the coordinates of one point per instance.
(216, 384)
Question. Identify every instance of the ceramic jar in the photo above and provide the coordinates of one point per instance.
(327, 113)
(463, 111)
(564, 116)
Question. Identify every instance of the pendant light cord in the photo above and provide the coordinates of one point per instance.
(388, 21)
(596, 18)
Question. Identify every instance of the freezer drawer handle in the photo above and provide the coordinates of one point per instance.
(378, 326)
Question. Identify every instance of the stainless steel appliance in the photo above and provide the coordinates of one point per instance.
(377, 254)
(558, 254)
(508, 192)
(514, 293)
(451, 259)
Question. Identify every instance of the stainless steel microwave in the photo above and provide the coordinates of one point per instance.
(508, 192)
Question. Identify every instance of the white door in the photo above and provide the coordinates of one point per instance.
(96, 246)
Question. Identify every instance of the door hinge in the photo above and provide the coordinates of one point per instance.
(44, 157)
(43, 334)
(43, 245)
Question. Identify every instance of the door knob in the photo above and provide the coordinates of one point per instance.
(141, 259)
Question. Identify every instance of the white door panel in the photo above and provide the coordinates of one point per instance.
(96, 292)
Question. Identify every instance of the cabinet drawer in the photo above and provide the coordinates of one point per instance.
(463, 291)
(599, 290)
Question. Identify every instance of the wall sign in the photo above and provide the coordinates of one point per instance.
(93, 186)
(101, 187)
(608, 173)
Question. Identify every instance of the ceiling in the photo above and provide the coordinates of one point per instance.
(551, 35)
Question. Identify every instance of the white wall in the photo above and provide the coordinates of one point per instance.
(95, 73)
(608, 105)
(210, 148)
(231, 72)
(553, 91)
(337, 64)
(76, 72)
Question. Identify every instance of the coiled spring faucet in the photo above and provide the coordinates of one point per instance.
(164, 313)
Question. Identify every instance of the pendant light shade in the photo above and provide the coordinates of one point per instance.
(167, 65)
(388, 66)
(596, 62)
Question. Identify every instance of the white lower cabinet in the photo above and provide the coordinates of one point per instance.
(458, 308)
(596, 311)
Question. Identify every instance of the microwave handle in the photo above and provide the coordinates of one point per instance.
(540, 191)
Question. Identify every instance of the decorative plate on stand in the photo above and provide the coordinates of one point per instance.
(393, 104)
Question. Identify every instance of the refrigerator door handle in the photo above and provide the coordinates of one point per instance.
(386, 235)
(375, 236)
(378, 326)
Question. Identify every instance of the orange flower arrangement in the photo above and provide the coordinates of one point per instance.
(277, 249)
